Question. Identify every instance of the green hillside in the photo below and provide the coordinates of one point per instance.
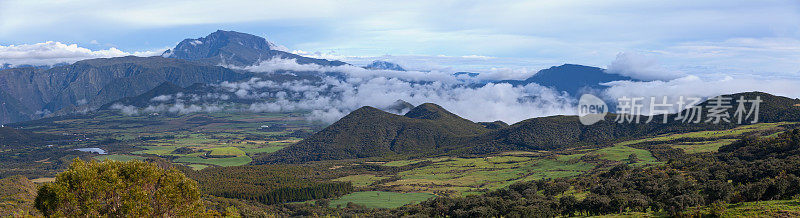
(369, 132)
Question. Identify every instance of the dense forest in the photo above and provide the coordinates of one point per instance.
(269, 184)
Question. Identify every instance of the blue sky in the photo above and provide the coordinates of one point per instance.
(664, 38)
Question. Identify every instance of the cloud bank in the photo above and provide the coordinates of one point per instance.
(639, 66)
(50, 53)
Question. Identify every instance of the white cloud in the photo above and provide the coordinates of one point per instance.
(126, 109)
(331, 98)
(49, 53)
(694, 86)
(640, 66)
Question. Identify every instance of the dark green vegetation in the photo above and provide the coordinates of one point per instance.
(378, 199)
(430, 130)
(269, 184)
(33, 154)
(384, 163)
(369, 132)
(112, 188)
(754, 176)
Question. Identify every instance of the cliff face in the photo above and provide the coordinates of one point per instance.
(29, 93)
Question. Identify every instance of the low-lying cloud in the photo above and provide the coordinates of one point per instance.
(640, 66)
(50, 53)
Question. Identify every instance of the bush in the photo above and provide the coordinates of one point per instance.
(117, 189)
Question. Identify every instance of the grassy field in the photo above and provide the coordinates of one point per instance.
(705, 146)
(227, 151)
(256, 150)
(460, 176)
(118, 157)
(197, 166)
(225, 162)
(379, 199)
(622, 153)
(715, 134)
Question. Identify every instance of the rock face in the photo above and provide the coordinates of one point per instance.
(237, 49)
(30, 93)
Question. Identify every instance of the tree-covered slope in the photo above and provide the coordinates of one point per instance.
(369, 132)
(429, 129)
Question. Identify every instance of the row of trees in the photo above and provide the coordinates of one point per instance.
(269, 184)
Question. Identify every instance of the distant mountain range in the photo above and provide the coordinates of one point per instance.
(34, 92)
(30, 93)
(429, 129)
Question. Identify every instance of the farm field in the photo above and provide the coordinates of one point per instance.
(716, 134)
(198, 140)
(118, 157)
(465, 176)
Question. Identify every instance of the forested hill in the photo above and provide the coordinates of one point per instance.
(557, 132)
(369, 132)
(429, 129)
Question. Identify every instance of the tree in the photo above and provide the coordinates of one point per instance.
(633, 158)
(113, 188)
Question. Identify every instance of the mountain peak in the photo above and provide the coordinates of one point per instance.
(235, 48)
(384, 65)
(574, 79)
(428, 111)
(216, 43)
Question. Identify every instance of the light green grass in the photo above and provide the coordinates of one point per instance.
(456, 176)
(712, 134)
(777, 208)
(119, 157)
(197, 166)
(622, 153)
(234, 151)
(156, 150)
(224, 162)
(269, 149)
(379, 199)
(702, 147)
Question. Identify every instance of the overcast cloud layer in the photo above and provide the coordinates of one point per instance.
(683, 47)
(332, 98)
(695, 37)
